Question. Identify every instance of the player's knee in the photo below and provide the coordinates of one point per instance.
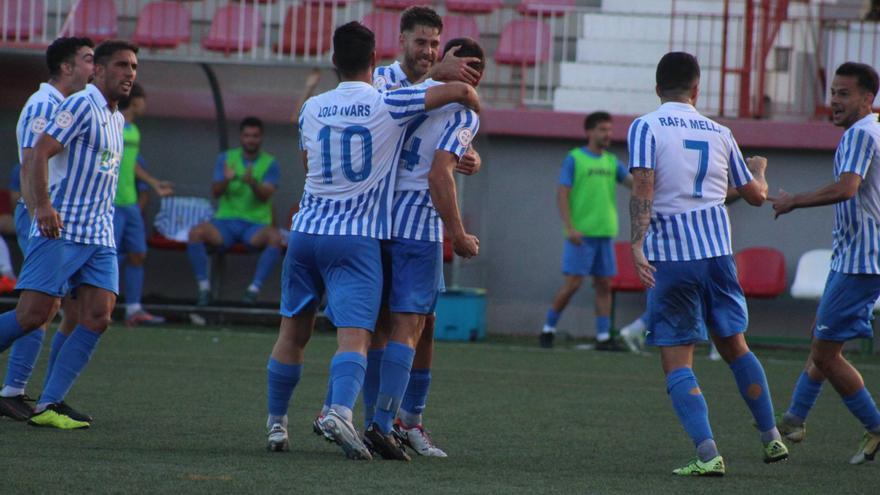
(96, 320)
(32, 317)
(137, 259)
(574, 283)
(824, 362)
(196, 234)
(602, 285)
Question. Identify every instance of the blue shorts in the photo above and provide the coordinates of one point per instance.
(233, 230)
(50, 264)
(846, 308)
(347, 267)
(128, 227)
(22, 226)
(413, 275)
(595, 256)
(689, 295)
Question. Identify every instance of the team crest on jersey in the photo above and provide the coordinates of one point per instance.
(38, 125)
(465, 136)
(64, 119)
(380, 82)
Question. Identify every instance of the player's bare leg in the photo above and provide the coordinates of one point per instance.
(288, 354)
(269, 240)
(199, 236)
(563, 296)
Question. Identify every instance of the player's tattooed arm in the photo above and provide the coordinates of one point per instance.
(641, 205)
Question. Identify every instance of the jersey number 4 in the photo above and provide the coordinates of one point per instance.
(703, 148)
(348, 134)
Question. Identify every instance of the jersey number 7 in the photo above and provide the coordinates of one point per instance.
(703, 148)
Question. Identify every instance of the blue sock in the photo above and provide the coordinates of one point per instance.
(416, 395)
(71, 360)
(752, 383)
(603, 327)
(806, 391)
(134, 283)
(58, 341)
(645, 317)
(198, 258)
(347, 370)
(22, 357)
(282, 380)
(9, 329)
(689, 404)
(552, 318)
(265, 264)
(396, 364)
(371, 384)
(862, 405)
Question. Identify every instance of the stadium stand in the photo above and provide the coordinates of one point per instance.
(626, 280)
(386, 26)
(312, 28)
(761, 272)
(398, 4)
(812, 271)
(235, 28)
(21, 19)
(96, 19)
(544, 7)
(163, 24)
(524, 42)
(459, 26)
(473, 6)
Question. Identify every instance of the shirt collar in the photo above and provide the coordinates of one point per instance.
(352, 84)
(871, 118)
(401, 75)
(681, 107)
(98, 96)
(52, 90)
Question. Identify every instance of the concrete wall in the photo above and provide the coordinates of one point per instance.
(510, 205)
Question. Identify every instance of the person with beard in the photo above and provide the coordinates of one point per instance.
(588, 207)
(245, 179)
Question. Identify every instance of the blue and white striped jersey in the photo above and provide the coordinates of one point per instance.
(35, 116)
(352, 136)
(450, 128)
(390, 77)
(694, 160)
(856, 236)
(83, 184)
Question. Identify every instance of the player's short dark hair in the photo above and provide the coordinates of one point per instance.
(353, 45)
(64, 50)
(250, 122)
(420, 15)
(595, 119)
(137, 91)
(467, 47)
(865, 75)
(105, 51)
(677, 72)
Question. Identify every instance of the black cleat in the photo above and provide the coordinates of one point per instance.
(610, 345)
(16, 407)
(65, 409)
(388, 446)
(546, 339)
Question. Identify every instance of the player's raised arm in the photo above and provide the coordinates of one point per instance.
(844, 189)
(755, 191)
(453, 92)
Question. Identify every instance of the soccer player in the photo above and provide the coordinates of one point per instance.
(72, 233)
(682, 163)
(245, 178)
(588, 207)
(351, 138)
(71, 67)
(128, 221)
(413, 261)
(845, 310)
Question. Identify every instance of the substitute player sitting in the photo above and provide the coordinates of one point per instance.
(682, 163)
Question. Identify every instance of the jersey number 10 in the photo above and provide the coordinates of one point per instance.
(702, 167)
(347, 168)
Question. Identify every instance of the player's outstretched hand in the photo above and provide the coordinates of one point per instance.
(48, 221)
(466, 246)
(574, 236)
(165, 188)
(456, 68)
(782, 203)
(470, 163)
(643, 267)
(756, 164)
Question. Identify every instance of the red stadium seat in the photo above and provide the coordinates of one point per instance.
(471, 7)
(162, 24)
(761, 272)
(627, 279)
(21, 19)
(159, 241)
(386, 26)
(398, 4)
(95, 19)
(544, 7)
(459, 26)
(5, 202)
(235, 28)
(312, 25)
(524, 42)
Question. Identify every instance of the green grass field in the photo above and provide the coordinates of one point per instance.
(182, 410)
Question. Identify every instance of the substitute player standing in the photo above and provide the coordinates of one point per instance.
(351, 138)
(682, 164)
(72, 233)
(71, 67)
(853, 285)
